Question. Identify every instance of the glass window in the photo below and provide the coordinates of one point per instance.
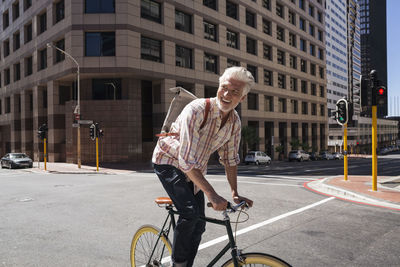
(251, 46)
(231, 62)
(311, 10)
(303, 46)
(105, 6)
(150, 10)
(210, 3)
(183, 57)
(281, 57)
(28, 66)
(293, 84)
(17, 72)
(282, 105)
(6, 20)
(322, 110)
(267, 51)
(27, 4)
(232, 10)
(280, 33)
(313, 109)
(253, 70)
(279, 10)
(304, 88)
(59, 55)
(266, 4)
(313, 89)
(302, 24)
(210, 63)
(268, 77)
(15, 8)
(312, 49)
(6, 76)
(292, 39)
(311, 29)
(268, 103)
(42, 59)
(6, 48)
(16, 41)
(312, 69)
(250, 19)
(293, 62)
(292, 17)
(281, 81)
(321, 91)
(210, 31)
(60, 11)
(304, 108)
(183, 21)
(106, 89)
(151, 49)
(252, 101)
(267, 26)
(303, 65)
(28, 33)
(99, 44)
(42, 23)
(294, 106)
(232, 39)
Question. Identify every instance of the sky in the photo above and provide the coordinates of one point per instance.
(393, 55)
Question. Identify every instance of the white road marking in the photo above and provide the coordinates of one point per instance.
(261, 224)
(249, 182)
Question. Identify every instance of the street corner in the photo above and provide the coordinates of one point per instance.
(357, 189)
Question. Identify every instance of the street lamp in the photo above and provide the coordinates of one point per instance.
(78, 107)
(115, 89)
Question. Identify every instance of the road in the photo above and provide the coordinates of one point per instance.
(89, 220)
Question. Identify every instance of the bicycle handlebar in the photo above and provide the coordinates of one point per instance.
(232, 208)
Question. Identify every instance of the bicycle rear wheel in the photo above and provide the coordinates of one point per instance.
(149, 248)
(258, 260)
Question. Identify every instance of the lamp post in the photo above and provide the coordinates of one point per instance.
(115, 89)
(78, 107)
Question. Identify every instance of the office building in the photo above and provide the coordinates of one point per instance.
(130, 53)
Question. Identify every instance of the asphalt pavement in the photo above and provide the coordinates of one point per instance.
(355, 189)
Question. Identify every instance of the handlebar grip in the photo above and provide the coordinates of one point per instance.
(209, 204)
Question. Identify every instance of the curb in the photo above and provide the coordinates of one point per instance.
(319, 186)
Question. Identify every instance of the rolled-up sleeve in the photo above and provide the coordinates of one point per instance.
(229, 152)
(189, 138)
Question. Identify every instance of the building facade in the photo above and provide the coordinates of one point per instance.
(130, 53)
(373, 49)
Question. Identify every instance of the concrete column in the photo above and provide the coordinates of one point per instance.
(27, 132)
(56, 124)
(15, 123)
(199, 90)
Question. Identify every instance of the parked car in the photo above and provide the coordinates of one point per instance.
(16, 160)
(326, 155)
(315, 156)
(299, 155)
(257, 157)
(338, 155)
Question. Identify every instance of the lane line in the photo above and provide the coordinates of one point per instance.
(248, 182)
(261, 224)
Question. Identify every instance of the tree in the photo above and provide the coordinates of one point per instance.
(295, 144)
(249, 138)
(305, 147)
(280, 148)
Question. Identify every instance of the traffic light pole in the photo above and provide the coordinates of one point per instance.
(97, 153)
(374, 145)
(44, 154)
(345, 152)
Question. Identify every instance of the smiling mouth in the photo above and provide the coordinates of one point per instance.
(226, 101)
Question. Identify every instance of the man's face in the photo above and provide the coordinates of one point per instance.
(229, 95)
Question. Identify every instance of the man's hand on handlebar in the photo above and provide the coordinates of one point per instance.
(238, 199)
(218, 202)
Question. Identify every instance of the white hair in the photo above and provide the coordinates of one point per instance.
(240, 74)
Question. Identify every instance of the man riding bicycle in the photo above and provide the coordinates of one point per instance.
(180, 160)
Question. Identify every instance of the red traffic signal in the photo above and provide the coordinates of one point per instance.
(381, 91)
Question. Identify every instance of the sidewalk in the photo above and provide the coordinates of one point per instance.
(110, 168)
(359, 189)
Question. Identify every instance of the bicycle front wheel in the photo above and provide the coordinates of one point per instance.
(150, 248)
(258, 260)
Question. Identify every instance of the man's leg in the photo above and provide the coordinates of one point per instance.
(181, 193)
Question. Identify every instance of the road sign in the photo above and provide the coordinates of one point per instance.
(85, 121)
(75, 125)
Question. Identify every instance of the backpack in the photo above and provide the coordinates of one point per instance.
(181, 99)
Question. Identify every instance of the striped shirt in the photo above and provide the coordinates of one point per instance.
(193, 146)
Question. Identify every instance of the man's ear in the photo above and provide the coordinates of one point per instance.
(243, 98)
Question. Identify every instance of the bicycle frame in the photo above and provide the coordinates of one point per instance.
(225, 222)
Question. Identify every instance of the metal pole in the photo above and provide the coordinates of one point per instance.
(345, 152)
(97, 153)
(374, 145)
(78, 107)
(45, 154)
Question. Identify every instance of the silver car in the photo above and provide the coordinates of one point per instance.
(299, 155)
(257, 157)
(16, 160)
(338, 155)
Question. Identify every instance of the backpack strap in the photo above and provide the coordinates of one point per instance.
(206, 111)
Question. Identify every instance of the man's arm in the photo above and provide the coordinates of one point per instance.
(218, 202)
(231, 175)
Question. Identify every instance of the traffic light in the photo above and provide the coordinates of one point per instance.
(380, 94)
(342, 111)
(100, 133)
(42, 131)
(93, 131)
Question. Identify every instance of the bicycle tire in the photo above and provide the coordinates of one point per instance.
(143, 243)
(258, 259)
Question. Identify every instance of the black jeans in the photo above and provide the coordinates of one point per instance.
(189, 227)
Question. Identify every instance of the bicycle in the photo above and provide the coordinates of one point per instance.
(151, 247)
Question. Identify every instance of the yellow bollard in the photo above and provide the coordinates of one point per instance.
(345, 152)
